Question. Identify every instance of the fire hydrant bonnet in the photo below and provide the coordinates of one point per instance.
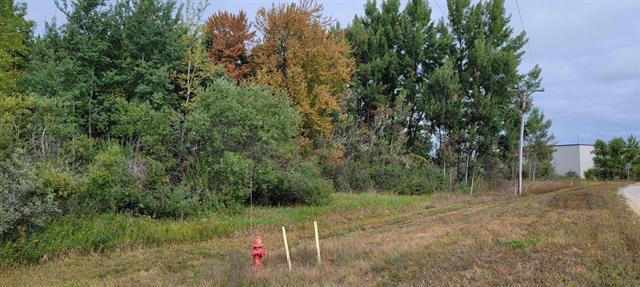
(258, 242)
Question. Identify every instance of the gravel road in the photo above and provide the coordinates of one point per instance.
(632, 193)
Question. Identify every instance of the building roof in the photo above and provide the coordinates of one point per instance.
(573, 145)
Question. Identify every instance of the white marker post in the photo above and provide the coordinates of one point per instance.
(286, 247)
(315, 226)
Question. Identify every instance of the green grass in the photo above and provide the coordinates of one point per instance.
(107, 231)
(521, 242)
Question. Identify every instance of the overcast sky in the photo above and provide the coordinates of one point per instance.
(589, 52)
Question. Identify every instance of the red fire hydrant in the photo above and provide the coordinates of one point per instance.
(258, 252)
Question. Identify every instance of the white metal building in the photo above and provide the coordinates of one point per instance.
(572, 157)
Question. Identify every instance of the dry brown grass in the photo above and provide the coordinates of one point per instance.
(539, 186)
(578, 236)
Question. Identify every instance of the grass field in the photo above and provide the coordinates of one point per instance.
(104, 232)
(555, 235)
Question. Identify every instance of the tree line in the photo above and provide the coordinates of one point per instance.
(152, 108)
(616, 160)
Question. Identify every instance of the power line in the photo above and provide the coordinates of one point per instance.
(525, 31)
(444, 15)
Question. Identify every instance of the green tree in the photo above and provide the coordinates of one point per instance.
(538, 145)
(242, 140)
(632, 157)
(486, 58)
(15, 36)
(104, 52)
(609, 160)
(444, 109)
(397, 52)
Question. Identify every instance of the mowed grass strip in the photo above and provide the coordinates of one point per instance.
(577, 237)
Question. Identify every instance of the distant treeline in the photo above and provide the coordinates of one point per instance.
(615, 160)
(148, 107)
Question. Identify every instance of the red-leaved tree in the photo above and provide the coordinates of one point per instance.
(231, 37)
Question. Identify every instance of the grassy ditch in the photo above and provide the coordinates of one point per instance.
(84, 235)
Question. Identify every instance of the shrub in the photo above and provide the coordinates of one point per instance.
(419, 181)
(159, 197)
(252, 120)
(242, 138)
(146, 130)
(408, 174)
(61, 184)
(34, 124)
(230, 182)
(306, 186)
(81, 150)
(574, 175)
(109, 186)
(302, 184)
(23, 204)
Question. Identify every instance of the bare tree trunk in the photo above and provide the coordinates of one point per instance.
(444, 168)
(473, 183)
(42, 142)
(466, 169)
(451, 178)
(535, 165)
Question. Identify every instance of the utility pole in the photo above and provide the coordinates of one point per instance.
(524, 95)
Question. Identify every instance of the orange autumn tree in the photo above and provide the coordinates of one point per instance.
(298, 54)
(230, 37)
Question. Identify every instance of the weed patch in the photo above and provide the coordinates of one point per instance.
(521, 242)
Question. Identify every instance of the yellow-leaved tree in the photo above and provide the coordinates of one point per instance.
(300, 55)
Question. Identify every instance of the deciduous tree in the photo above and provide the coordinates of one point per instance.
(397, 51)
(299, 55)
(538, 145)
(15, 33)
(230, 38)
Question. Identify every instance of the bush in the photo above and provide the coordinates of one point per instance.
(230, 182)
(419, 181)
(574, 175)
(159, 198)
(306, 186)
(243, 140)
(176, 202)
(109, 186)
(23, 204)
(303, 184)
(146, 130)
(61, 184)
(251, 120)
(81, 150)
(409, 174)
